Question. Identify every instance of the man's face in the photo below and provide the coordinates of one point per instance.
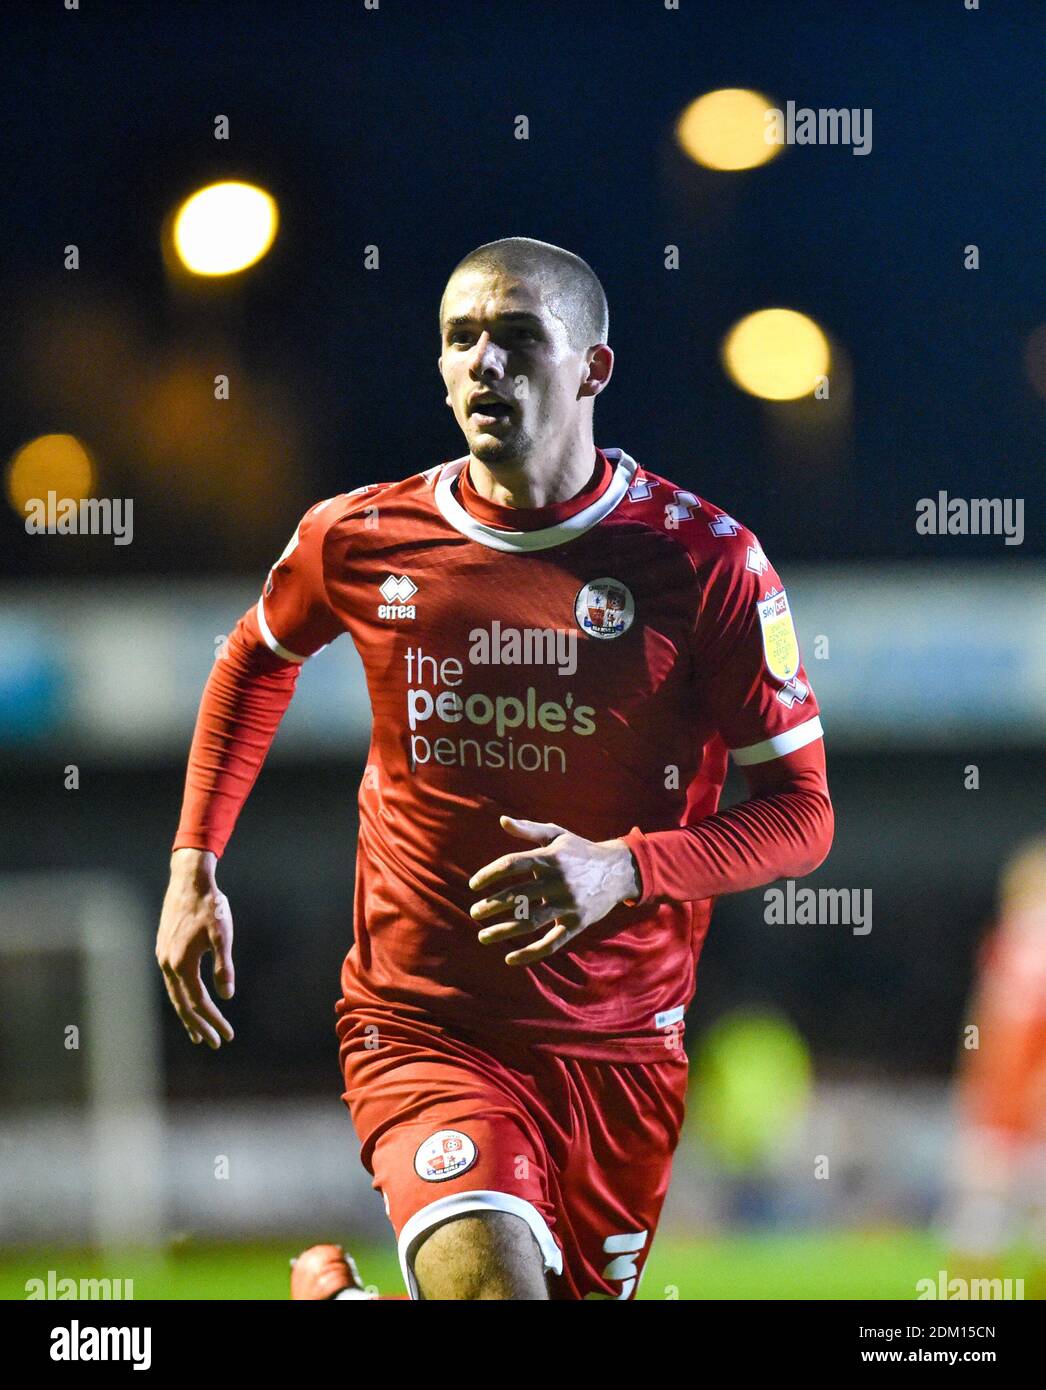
(501, 339)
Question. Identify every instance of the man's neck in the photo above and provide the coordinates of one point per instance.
(535, 482)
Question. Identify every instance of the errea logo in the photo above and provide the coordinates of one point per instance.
(723, 525)
(756, 561)
(396, 590)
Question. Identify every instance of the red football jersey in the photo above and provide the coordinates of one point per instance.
(591, 669)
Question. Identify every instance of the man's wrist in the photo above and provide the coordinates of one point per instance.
(197, 865)
(629, 883)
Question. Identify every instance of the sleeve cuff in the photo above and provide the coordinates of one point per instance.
(637, 844)
(186, 839)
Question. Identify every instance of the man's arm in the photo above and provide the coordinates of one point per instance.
(784, 830)
(246, 696)
(749, 677)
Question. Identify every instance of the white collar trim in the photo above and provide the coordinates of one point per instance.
(624, 470)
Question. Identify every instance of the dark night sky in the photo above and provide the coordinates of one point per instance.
(395, 128)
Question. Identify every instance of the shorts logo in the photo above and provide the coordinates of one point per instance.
(780, 645)
(444, 1155)
(604, 608)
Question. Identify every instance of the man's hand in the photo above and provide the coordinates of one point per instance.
(196, 920)
(575, 883)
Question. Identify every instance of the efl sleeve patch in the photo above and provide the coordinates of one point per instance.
(780, 645)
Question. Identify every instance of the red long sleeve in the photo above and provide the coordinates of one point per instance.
(245, 698)
(784, 831)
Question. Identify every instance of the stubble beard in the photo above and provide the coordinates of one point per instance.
(512, 450)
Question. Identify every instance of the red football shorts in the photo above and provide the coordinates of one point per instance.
(580, 1149)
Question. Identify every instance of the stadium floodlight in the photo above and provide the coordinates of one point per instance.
(727, 130)
(777, 354)
(57, 463)
(224, 228)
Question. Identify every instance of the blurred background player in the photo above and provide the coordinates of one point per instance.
(999, 1174)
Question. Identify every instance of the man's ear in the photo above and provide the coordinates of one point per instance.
(439, 368)
(439, 364)
(600, 370)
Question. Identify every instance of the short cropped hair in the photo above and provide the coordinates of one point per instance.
(577, 296)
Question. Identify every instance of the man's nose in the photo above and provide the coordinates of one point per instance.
(486, 355)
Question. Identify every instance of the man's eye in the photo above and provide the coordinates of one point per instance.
(462, 336)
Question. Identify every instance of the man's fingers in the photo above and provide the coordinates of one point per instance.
(193, 1026)
(170, 983)
(221, 946)
(532, 829)
(504, 931)
(508, 864)
(195, 1007)
(224, 978)
(204, 1008)
(549, 943)
(497, 904)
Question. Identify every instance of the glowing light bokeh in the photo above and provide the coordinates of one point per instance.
(225, 228)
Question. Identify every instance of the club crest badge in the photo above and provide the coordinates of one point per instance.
(604, 608)
(780, 644)
(444, 1155)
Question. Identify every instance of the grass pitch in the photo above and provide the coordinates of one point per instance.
(883, 1264)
